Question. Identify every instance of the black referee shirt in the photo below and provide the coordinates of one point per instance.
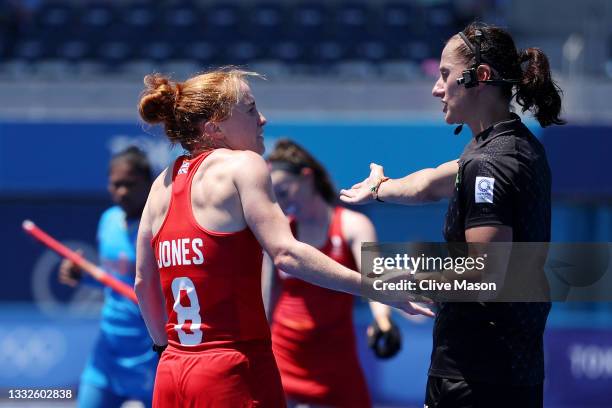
(503, 179)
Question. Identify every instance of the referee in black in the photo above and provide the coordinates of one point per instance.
(486, 354)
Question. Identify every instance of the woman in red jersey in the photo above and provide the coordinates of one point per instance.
(198, 253)
(312, 327)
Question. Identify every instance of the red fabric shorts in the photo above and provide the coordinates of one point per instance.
(323, 370)
(218, 378)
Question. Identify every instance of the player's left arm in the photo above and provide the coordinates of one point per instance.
(270, 286)
(147, 284)
(358, 228)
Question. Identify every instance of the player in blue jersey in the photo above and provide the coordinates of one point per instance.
(122, 365)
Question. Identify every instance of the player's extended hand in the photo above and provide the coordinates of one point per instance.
(413, 308)
(361, 193)
(69, 273)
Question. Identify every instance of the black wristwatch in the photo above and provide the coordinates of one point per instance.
(159, 349)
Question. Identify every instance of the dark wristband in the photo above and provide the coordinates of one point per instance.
(159, 349)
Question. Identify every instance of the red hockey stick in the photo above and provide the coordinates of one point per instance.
(95, 271)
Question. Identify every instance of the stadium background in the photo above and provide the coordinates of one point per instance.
(351, 81)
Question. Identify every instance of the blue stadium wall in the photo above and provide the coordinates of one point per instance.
(55, 174)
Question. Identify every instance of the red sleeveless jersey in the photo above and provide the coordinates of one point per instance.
(211, 280)
(308, 307)
(313, 337)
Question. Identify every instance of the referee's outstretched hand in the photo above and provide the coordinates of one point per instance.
(361, 193)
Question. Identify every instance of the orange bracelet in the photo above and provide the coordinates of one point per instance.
(374, 189)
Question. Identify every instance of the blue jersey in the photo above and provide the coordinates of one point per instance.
(122, 360)
(117, 253)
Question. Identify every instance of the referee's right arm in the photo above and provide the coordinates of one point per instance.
(423, 186)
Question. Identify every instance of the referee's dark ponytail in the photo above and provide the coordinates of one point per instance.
(537, 92)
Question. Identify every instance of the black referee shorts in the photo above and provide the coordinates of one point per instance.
(447, 393)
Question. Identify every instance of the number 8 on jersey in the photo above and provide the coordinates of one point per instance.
(190, 334)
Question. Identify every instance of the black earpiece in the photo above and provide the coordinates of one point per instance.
(469, 77)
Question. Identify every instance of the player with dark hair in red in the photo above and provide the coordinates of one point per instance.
(199, 255)
(313, 337)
